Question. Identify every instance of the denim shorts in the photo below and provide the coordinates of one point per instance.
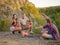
(50, 36)
(12, 28)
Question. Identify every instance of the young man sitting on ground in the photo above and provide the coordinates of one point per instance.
(51, 31)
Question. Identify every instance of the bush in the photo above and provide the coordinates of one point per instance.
(40, 22)
(53, 13)
(4, 25)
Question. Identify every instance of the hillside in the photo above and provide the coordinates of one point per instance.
(10, 7)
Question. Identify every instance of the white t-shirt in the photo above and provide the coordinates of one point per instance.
(24, 21)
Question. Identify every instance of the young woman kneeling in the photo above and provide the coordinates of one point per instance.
(15, 24)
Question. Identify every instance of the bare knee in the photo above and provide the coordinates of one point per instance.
(45, 35)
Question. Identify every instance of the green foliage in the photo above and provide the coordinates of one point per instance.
(53, 13)
(4, 25)
(31, 10)
(36, 23)
(9, 7)
(37, 31)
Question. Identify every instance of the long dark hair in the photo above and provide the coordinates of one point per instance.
(13, 16)
(16, 19)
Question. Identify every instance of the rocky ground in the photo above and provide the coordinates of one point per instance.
(7, 38)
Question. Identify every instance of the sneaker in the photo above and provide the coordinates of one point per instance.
(31, 32)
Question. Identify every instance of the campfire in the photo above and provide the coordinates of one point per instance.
(26, 33)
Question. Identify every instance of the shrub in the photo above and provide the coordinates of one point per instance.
(4, 25)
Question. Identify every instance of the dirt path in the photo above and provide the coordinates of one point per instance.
(7, 38)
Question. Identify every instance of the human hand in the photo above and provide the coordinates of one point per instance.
(39, 27)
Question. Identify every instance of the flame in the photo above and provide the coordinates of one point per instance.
(26, 33)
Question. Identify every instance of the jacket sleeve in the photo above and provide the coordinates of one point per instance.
(56, 30)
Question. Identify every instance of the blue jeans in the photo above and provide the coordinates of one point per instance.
(50, 36)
